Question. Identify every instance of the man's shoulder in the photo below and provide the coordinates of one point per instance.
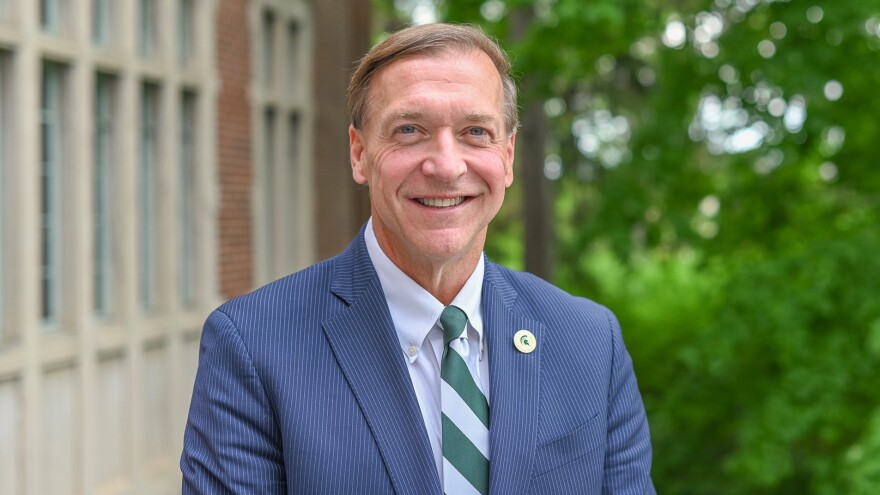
(539, 296)
(305, 288)
(567, 321)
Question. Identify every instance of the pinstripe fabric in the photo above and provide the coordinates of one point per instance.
(567, 418)
(302, 388)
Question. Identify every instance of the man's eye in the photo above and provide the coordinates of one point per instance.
(477, 131)
(407, 129)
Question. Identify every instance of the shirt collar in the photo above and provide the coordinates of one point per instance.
(413, 309)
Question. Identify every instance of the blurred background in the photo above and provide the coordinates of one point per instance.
(707, 169)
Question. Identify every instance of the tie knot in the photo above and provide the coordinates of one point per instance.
(453, 320)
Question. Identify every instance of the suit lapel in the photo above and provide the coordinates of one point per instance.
(364, 342)
(514, 381)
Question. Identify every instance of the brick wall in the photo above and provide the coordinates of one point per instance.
(234, 159)
(341, 30)
(342, 37)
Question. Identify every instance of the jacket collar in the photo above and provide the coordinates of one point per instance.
(514, 382)
(363, 339)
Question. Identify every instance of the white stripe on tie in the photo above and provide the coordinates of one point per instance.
(454, 483)
(464, 418)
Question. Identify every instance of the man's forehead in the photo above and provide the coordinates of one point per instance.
(464, 59)
(383, 85)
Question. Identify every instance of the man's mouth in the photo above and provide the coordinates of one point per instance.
(440, 202)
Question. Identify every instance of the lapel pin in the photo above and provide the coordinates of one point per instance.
(524, 341)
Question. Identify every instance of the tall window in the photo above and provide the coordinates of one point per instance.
(92, 153)
(269, 184)
(187, 201)
(3, 184)
(293, 159)
(51, 156)
(104, 153)
(148, 149)
(186, 31)
(52, 13)
(280, 107)
(147, 27)
(102, 21)
(267, 53)
(293, 74)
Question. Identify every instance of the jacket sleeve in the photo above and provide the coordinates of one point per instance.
(628, 457)
(231, 443)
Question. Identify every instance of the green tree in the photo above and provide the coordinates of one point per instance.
(714, 170)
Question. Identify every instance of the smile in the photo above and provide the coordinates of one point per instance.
(440, 203)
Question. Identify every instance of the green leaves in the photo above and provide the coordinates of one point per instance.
(719, 191)
(786, 369)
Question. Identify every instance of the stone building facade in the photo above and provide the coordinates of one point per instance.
(156, 158)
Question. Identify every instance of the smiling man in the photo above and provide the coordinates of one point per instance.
(410, 363)
(434, 148)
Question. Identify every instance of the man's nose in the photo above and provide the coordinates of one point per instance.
(445, 160)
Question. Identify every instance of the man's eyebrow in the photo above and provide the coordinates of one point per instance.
(415, 115)
(481, 118)
(401, 115)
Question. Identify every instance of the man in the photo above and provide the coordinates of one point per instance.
(409, 363)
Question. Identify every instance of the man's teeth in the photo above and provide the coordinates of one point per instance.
(440, 203)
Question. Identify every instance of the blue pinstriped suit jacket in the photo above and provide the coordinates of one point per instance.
(302, 388)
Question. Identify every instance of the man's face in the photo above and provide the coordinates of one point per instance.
(435, 154)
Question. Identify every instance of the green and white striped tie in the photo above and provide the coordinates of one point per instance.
(465, 417)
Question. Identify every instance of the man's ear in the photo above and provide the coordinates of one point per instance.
(359, 171)
(510, 149)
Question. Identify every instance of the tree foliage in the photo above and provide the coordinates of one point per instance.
(717, 186)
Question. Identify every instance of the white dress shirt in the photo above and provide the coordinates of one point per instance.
(415, 312)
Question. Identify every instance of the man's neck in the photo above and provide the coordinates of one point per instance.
(443, 279)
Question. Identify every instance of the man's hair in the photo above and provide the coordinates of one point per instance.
(429, 39)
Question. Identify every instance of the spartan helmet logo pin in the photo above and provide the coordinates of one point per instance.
(524, 341)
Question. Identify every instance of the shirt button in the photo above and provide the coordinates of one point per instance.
(412, 351)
